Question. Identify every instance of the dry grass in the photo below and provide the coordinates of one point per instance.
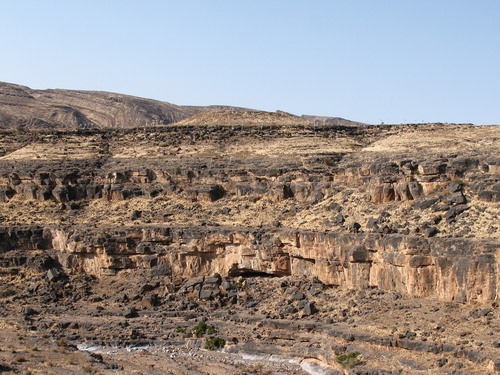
(245, 118)
(52, 148)
(454, 138)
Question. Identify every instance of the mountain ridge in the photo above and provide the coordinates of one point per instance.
(24, 107)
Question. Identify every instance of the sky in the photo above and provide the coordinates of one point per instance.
(374, 61)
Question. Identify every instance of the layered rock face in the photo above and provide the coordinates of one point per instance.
(358, 207)
(452, 269)
(308, 178)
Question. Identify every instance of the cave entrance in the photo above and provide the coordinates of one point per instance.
(248, 272)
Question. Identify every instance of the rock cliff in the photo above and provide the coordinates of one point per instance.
(198, 200)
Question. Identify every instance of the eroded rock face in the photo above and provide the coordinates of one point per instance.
(211, 179)
(452, 269)
(193, 201)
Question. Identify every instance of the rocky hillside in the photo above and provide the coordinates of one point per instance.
(305, 240)
(355, 207)
(243, 118)
(22, 107)
(325, 120)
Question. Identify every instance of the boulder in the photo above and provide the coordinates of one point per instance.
(454, 211)
(53, 274)
(416, 189)
(297, 296)
(61, 193)
(208, 193)
(456, 198)
(130, 312)
(309, 309)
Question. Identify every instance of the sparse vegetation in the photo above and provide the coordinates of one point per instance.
(212, 343)
(258, 367)
(349, 360)
(242, 284)
(202, 329)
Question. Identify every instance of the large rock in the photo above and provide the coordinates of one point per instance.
(208, 193)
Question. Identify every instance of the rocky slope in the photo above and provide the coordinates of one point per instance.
(243, 118)
(332, 227)
(23, 107)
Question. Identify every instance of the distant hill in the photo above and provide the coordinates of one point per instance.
(243, 117)
(23, 107)
(324, 120)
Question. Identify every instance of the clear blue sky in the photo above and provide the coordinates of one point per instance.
(373, 60)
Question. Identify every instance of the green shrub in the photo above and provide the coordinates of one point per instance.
(202, 329)
(163, 144)
(212, 343)
(349, 360)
